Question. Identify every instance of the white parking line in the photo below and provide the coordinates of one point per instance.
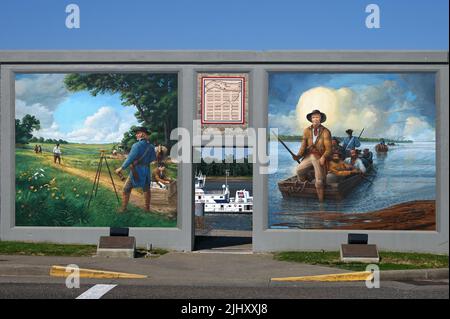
(96, 292)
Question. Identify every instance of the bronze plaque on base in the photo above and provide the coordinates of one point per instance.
(116, 246)
(359, 253)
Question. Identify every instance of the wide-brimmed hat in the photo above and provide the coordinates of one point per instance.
(141, 129)
(349, 131)
(323, 116)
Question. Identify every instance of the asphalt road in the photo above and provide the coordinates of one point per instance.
(389, 289)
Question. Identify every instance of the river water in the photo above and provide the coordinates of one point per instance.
(229, 221)
(406, 173)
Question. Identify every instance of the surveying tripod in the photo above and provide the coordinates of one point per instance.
(97, 178)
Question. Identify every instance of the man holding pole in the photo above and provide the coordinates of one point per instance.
(350, 142)
(315, 149)
(141, 155)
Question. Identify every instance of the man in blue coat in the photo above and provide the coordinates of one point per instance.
(350, 142)
(141, 155)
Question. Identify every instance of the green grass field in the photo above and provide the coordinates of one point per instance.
(46, 249)
(47, 196)
(87, 156)
(66, 250)
(388, 260)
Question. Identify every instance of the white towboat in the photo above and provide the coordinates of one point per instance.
(220, 201)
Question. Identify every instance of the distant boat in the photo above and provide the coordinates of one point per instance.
(381, 148)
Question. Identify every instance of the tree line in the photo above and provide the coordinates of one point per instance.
(153, 95)
(220, 168)
(297, 138)
(42, 140)
(24, 128)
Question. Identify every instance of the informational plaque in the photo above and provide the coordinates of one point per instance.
(116, 246)
(223, 99)
(359, 253)
(222, 105)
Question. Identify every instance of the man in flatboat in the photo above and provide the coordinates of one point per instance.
(355, 161)
(338, 170)
(381, 147)
(336, 146)
(367, 157)
(350, 142)
(315, 149)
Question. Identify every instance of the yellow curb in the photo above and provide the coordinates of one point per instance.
(350, 276)
(61, 271)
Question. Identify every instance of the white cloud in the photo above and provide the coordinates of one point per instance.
(340, 108)
(42, 113)
(40, 95)
(45, 89)
(286, 123)
(49, 132)
(347, 109)
(105, 126)
(419, 130)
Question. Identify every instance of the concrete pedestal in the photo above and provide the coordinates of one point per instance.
(116, 247)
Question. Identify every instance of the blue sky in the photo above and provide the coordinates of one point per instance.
(72, 113)
(385, 105)
(75, 117)
(224, 25)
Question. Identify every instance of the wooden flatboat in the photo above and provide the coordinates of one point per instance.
(291, 187)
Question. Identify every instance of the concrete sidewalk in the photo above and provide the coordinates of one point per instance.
(191, 269)
(174, 268)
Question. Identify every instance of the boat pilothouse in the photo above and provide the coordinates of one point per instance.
(219, 201)
(200, 180)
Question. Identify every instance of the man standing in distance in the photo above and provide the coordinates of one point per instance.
(56, 154)
(315, 149)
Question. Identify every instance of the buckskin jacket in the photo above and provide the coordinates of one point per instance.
(322, 147)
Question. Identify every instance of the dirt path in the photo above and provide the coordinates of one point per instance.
(136, 199)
